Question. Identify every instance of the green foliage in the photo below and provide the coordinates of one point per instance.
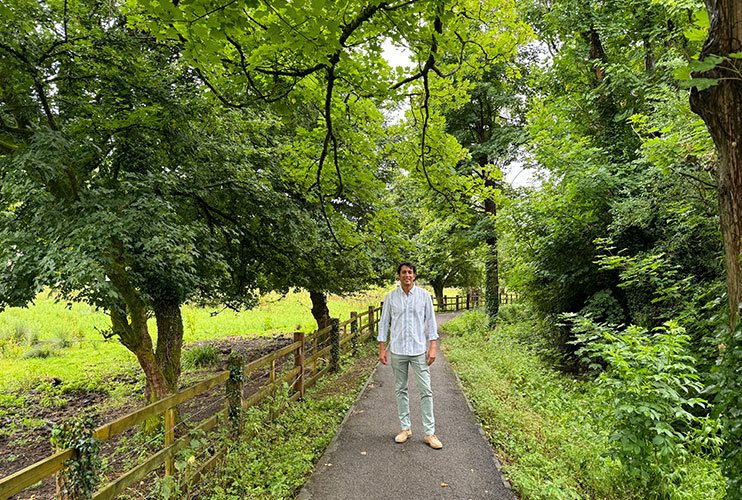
(651, 384)
(727, 388)
(82, 472)
(469, 323)
(538, 421)
(512, 313)
(200, 356)
(186, 465)
(541, 423)
(42, 352)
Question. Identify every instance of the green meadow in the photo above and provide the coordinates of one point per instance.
(58, 340)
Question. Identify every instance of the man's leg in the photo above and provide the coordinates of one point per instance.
(422, 379)
(399, 366)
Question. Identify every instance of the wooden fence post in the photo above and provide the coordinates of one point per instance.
(235, 386)
(335, 339)
(457, 303)
(468, 295)
(354, 331)
(371, 321)
(299, 361)
(445, 303)
(169, 439)
(79, 477)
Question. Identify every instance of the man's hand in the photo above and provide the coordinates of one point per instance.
(431, 353)
(382, 353)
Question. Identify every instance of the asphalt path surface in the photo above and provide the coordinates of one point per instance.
(363, 461)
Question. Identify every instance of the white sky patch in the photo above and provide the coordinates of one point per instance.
(396, 57)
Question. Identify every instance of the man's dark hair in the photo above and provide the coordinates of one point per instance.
(408, 264)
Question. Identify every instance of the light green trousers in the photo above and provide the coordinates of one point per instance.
(400, 366)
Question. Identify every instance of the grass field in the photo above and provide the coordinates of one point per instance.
(52, 340)
(57, 343)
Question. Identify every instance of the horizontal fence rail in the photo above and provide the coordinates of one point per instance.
(313, 356)
(470, 301)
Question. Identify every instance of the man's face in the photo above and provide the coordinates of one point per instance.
(406, 276)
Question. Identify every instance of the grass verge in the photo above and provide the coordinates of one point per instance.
(541, 423)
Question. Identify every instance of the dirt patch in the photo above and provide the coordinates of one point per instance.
(25, 429)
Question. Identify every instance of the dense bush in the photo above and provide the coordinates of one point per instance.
(650, 384)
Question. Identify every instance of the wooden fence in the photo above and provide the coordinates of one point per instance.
(313, 355)
(471, 301)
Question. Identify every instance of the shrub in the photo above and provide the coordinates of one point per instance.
(728, 387)
(469, 323)
(512, 313)
(650, 381)
(62, 339)
(200, 356)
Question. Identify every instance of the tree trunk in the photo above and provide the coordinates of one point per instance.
(169, 339)
(438, 290)
(129, 323)
(134, 335)
(492, 279)
(720, 107)
(319, 309)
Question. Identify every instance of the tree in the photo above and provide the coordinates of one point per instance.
(122, 185)
(719, 105)
(491, 127)
(716, 105)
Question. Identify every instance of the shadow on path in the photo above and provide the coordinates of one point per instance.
(363, 462)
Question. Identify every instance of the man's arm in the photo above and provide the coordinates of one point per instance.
(384, 328)
(432, 327)
(431, 352)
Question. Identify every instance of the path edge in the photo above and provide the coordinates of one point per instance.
(505, 482)
(304, 493)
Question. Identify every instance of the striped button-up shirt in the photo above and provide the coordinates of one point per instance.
(409, 316)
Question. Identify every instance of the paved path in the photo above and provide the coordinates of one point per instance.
(363, 462)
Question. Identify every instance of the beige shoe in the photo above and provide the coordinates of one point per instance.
(433, 441)
(403, 436)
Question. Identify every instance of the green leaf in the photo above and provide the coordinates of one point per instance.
(701, 18)
(695, 34)
(708, 63)
(699, 83)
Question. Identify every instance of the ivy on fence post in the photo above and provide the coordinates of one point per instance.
(234, 386)
(299, 362)
(445, 303)
(335, 339)
(80, 475)
(371, 321)
(467, 301)
(354, 330)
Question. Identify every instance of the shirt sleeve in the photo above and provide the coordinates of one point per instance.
(430, 321)
(385, 319)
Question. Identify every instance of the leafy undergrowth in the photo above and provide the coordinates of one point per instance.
(276, 457)
(542, 423)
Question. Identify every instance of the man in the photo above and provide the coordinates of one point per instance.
(406, 313)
